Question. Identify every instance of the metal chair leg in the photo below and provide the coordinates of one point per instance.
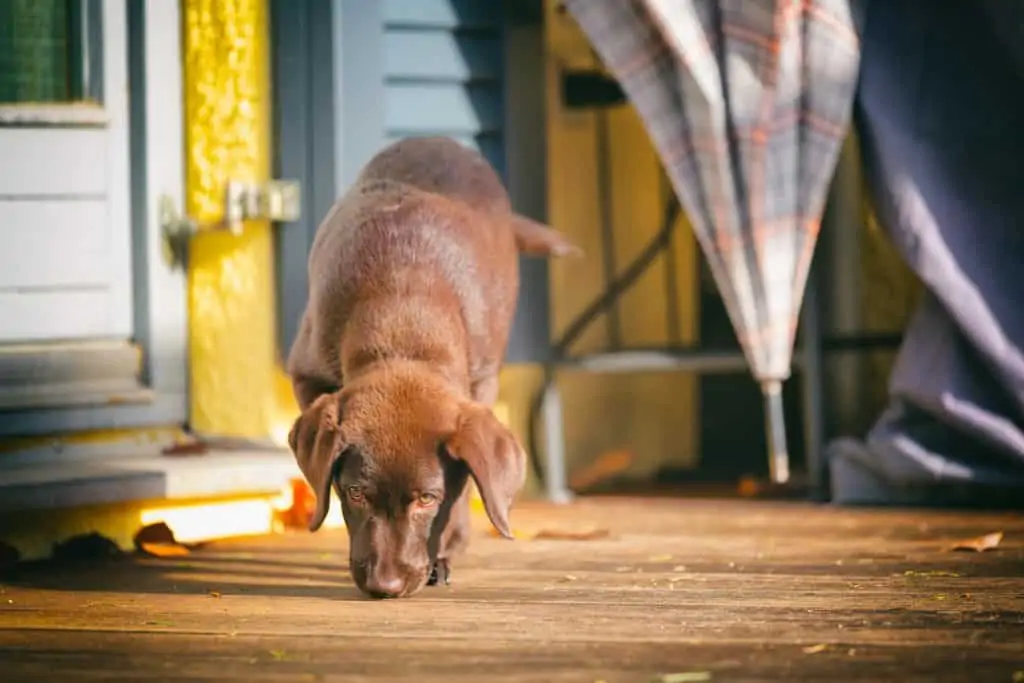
(554, 446)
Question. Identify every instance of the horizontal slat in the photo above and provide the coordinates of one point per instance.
(67, 115)
(442, 108)
(55, 243)
(492, 147)
(69, 363)
(53, 162)
(105, 393)
(442, 55)
(75, 374)
(443, 13)
(56, 315)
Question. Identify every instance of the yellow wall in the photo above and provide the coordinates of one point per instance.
(653, 414)
(237, 387)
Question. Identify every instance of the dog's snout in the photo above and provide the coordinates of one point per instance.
(385, 584)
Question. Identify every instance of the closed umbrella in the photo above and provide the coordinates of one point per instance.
(747, 103)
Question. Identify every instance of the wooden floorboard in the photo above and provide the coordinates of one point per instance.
(717, 590)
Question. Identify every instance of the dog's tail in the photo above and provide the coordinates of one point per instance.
(535, 239)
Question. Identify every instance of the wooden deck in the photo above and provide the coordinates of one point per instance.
(706, 590)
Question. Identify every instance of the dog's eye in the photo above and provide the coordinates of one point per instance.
(427, 499)
(355, 494)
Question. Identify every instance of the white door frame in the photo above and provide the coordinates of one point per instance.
(156, 151)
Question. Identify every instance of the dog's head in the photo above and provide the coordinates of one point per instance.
(398, 453)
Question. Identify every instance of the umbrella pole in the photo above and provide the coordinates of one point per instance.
(775, 425)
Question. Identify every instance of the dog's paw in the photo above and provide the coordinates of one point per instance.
(441, 573)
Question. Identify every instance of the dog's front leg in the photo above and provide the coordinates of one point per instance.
(454, 540)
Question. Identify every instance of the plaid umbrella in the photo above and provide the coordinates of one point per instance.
(747, 103)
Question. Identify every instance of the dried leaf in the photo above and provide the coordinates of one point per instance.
(188, 446)
(570, 534)
(213, 594)
(684, 677)
(815, 649)
(164, 549)
(981, 543)
(279, 655)
(605, 467)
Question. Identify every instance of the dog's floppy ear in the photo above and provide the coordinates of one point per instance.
(317, 443)
(535, 239)
(494, 458)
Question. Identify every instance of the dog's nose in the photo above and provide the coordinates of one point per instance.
(385, 585)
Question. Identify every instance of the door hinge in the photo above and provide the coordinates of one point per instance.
(278, 201)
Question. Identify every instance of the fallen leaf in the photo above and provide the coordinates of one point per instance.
(815, 649)
(568, 577)
(159, 623)
(570, 534)
(940, 596)
(979, 544)
(213, 594)
(92, 546)
(684, 677)
(279, 655)
(605, 467)
(188, 446)
(164, 549)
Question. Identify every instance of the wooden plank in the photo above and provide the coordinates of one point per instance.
(47, 162)
(442, 108)
(443, 14)
(56, 243)
(741, 591)
(442, 56)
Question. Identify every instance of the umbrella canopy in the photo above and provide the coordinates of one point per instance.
(747, 104)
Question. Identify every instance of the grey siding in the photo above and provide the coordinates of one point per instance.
(401, 68)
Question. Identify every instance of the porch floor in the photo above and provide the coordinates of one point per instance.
(716, 590)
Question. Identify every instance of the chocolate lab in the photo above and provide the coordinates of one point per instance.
(413, 279)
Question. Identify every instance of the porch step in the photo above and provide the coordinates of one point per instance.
(147, 476)
(69, 374)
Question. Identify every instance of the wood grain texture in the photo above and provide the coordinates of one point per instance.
(744, 591)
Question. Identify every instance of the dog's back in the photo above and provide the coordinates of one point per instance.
(417, 259)
(442, 166)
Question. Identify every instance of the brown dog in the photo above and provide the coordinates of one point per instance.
(413, 284)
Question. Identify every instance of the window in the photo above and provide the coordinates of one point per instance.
(50, 52)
